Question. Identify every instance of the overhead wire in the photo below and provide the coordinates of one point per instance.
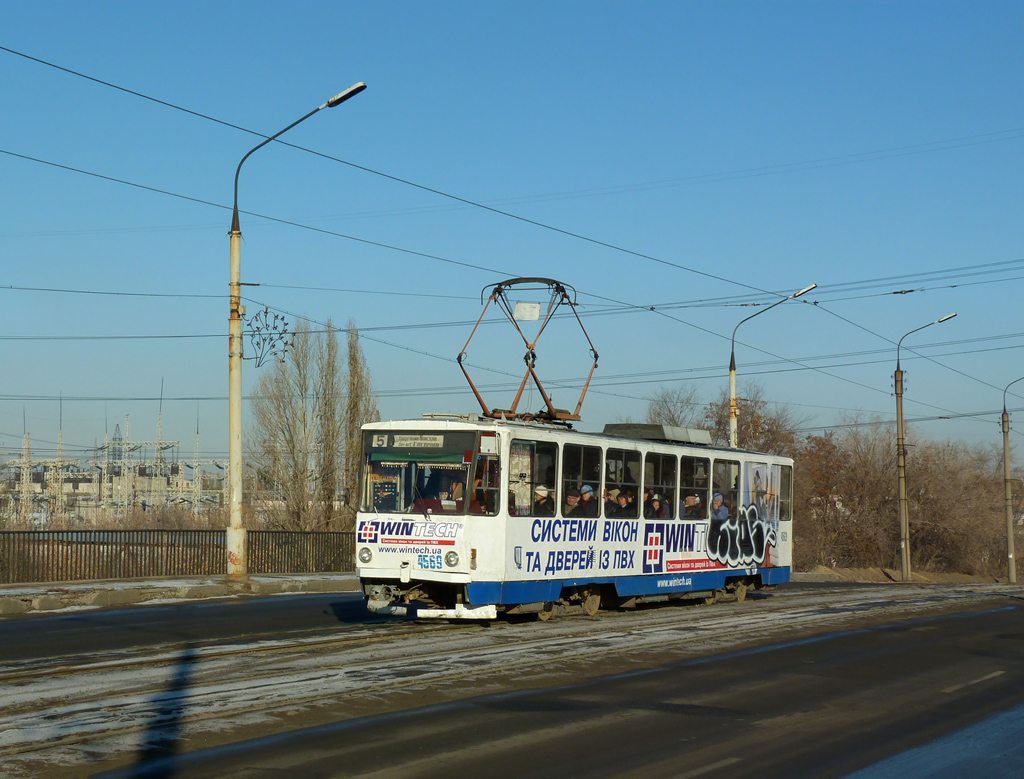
(843, 159)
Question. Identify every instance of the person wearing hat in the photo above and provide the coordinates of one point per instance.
(718, 509)
(692, 506)
(572, 503)
(543, 506)
(588, 506)
(611, 503)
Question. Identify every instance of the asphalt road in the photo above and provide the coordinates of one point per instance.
(826, 706)
(42, 637)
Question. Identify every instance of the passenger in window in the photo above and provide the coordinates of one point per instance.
(588, 504)
(647, 502)
(718, 509)
(656, 509)
(572, 502)
(611, 503)
(630, 504)
(692, 506)
(543, 506)
(624, 508)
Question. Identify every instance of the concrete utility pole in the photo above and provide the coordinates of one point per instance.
(1011, 564)
(901, 456)
(733, 410)
(236, 532)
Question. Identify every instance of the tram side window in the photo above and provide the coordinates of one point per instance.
(725, 481)
(531, 489)
(486, 480)
(581, 471)
(659, 486)
(622, 483)
(694, 501)
(786, 494)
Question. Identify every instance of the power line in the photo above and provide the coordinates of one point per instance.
(114, 293)
(836, 160)
(109, 293)
(1011, 134)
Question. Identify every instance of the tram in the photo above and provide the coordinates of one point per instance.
(472, 517)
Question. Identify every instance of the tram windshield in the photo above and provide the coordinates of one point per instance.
(417, 471)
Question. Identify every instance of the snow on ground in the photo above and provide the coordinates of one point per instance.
(99, 707)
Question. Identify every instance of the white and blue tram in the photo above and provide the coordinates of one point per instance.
(471, 517)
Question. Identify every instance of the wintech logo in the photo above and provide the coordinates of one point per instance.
(373, 531)
(654, 547)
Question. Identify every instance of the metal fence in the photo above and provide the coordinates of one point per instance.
(284, 551)
(79, 555)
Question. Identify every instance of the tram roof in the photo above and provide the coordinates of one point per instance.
(655, 434)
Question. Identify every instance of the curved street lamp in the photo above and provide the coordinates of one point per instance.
(1011, 566)
(901, 456)
(236, 532)
(733, 411)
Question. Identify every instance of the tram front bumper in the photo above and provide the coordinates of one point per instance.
(422, 612)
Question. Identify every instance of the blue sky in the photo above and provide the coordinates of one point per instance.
(689, 157)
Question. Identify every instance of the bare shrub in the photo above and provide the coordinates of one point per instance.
(847, 502)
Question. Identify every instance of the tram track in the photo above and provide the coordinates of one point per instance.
(107, 703)
(151, 682)
(210, 649)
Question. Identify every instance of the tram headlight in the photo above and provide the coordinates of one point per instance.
(365, 555)
(451, 559)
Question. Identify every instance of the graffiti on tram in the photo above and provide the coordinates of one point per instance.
(742, 537)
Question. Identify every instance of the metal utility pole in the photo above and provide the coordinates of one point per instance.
(733, 410)
(235, 531)
(901, 477)
(1011, 564)
(901, 457)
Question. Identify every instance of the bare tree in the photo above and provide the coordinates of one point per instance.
(762, 426)
(360, 408)
(679, 407)
(297, 413)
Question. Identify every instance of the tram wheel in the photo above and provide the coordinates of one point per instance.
(711, 599)
(546, 613)
(591, 602)
(741, 592)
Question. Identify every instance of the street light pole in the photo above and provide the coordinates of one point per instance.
(1011, 565)
(236, 532)
(901, 457)
(733, 411)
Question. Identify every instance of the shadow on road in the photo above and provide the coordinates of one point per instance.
(354, 612)
(162, 735)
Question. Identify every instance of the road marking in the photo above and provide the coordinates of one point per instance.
(700, 771)
(956, 687)
(713, 767)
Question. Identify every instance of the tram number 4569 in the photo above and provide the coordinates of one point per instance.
(430, 562)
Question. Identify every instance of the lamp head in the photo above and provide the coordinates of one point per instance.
(341, 97)
(948, 316)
